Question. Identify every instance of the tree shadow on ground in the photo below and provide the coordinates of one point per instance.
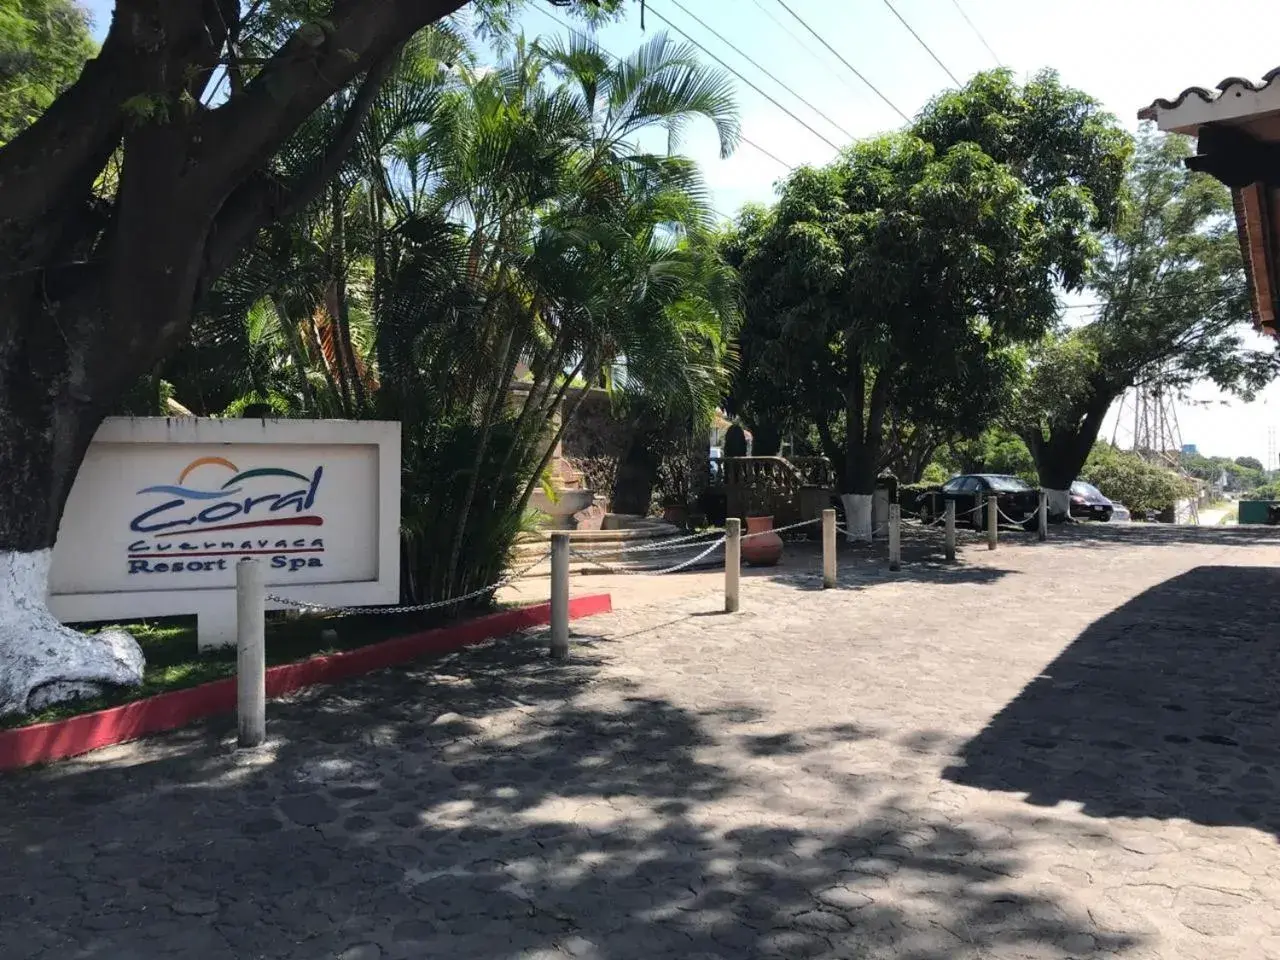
(861, 566)
(493, 805)
(1166, 707)
(1101, 535)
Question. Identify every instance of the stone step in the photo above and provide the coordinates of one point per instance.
(636, 562)
(650, 530)
(529, 546)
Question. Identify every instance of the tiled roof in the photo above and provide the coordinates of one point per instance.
(1228, 87)
(1238, 136)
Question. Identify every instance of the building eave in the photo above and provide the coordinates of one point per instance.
(1237, 129)
(1234, 99)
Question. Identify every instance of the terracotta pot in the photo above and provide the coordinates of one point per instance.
(763, 551)
(676, 513)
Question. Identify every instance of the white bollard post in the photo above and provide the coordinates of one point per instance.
(1043, 516)
(560, 596)
(951, 529)
(993, 520)
(732, 563)
(895, 537)
(251, 653)
(828, 549)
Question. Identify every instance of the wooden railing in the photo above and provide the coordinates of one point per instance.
(815, 471)
(787, 490)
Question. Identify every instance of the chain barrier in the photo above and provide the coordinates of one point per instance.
(651, 573)
(680, 543)
(411, 607)
(907, 515)
(883, 528)
(676, 543)
(1009, 519)
(780, 530)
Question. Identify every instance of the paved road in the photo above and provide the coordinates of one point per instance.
(1062, 751)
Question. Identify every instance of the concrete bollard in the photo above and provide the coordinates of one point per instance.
(993, 520)
(732, 563)
(828, 549)
(895, 537)
(251, 653)
(560, 596)
(1042, 512)
(951, 529)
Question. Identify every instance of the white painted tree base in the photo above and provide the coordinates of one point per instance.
(41, 661)
(857, 516)
(1059, 502)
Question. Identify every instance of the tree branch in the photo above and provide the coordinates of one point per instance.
(314, 63)
(264, 200)
(151, 51)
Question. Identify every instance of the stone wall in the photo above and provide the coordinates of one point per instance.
(594, 442)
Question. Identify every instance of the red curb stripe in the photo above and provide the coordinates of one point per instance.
(59, 739)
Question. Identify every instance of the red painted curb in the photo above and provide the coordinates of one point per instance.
(59, 739)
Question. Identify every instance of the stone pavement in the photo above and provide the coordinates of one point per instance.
(1052, 751)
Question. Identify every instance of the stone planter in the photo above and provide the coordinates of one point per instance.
(560, 513)
(762, 551)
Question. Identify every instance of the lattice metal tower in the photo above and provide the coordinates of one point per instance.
(1157, 437)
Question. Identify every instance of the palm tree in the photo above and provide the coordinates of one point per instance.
(492, 218)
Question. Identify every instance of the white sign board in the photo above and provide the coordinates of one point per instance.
(162, 510)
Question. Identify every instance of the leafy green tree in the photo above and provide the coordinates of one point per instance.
(190, 116)
(198, 127)
(1249, 463)
(1137, 483)
(43, 47)
(488, 219)
(1230, 473)
(888, 286)
(1174, 310)
(1265, 491)
(995, 450)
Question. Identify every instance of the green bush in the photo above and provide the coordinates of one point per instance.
(934, 474)
(437, 456)
(1268, 491)
(911, 495)
(1135, 482)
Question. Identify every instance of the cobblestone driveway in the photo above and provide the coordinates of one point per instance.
(1051, 751)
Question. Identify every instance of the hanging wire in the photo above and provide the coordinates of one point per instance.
(827, 140)
(856, 72)
(977, 33)
(715, 33)
(920, 40)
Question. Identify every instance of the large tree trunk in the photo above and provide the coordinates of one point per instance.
(94, 292)
(637, 475)
(43, 437)
(1060, 453)
(864, 425)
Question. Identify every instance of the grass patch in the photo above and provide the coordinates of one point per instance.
(175, 663)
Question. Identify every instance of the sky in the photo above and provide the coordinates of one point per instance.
(1123, 52)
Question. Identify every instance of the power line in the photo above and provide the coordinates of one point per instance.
(772, 156)
(856, 73)
(712, 30)
(1157, 297)
(827, 140)
(919, 40)
(804, 46)
(977, 32)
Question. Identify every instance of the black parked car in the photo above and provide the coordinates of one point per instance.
(1089, 503)
(1018, 499)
